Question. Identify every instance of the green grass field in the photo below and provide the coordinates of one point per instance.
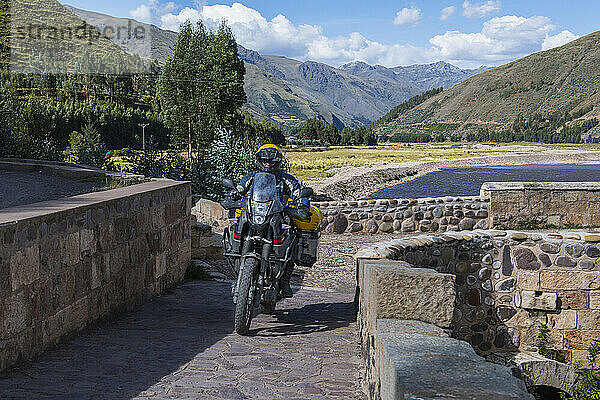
(309, 163)
(314, 163)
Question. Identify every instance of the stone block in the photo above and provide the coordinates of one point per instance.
(569, 280)
(581, 356)
(528, 324)
(87, 241)
(566, 319)
(588, 319)
(71, 255)
(580, 339)
(595, 300)
(400, 292)
(160, 265)
(573, 299)
(25, 267)
(16, 315)
(538, 300)
(415, 365)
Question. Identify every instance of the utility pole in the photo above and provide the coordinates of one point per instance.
(144, 135)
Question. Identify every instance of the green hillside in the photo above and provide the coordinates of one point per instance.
(43, 36)
(553, 90)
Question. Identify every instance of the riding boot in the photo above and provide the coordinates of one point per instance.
(286, 289)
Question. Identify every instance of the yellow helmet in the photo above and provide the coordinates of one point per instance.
(269, 158)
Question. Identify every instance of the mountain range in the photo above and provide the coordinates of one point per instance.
(563, 80)
(289, 91)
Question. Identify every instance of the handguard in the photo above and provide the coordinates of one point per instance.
(301, 213)
(230, 204)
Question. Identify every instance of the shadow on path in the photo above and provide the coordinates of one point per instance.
(122, 359)
(181, 346)
(310, 318)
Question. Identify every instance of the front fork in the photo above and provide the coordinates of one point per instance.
(245, 254)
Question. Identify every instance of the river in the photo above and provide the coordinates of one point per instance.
(466, 181)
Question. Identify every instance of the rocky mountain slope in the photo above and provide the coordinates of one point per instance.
(563, 80)
(424, 76)
(156, 44)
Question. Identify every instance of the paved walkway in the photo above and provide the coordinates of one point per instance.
(181, 346)
(18, 188)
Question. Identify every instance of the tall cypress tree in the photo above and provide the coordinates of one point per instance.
(201, 88)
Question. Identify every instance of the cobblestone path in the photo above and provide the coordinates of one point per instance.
(181, 346)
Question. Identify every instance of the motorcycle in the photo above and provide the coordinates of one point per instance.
(262, 241)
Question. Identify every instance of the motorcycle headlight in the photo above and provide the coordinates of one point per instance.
(259, 212)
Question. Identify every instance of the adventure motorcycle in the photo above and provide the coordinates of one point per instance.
(266, 236)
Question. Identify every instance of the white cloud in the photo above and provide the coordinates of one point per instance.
(408, 16)
(447, 12)
(142, 13)
(356, 47)
(480, 10)
(148, 12)
(502, 39)
(558, 40)
(173, 21)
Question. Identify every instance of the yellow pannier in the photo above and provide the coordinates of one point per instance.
(316, 217)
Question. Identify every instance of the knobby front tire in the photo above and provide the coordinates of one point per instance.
(245, 299)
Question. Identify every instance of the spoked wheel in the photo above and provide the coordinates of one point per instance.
(245, 299)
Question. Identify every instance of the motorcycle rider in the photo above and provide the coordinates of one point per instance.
(269, 159)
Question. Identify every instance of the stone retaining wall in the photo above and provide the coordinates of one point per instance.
(505, 205)
(405, 215)
(537, 203)
(509, 284)
(405, 316)
(67, 263)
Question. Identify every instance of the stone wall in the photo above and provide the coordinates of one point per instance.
(381, 216)
(405, 215)
(537, 203)
(405, 319)
(505, 205)
(509, 284)
(67, 263)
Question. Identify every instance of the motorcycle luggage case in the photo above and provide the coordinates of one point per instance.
(308, 247)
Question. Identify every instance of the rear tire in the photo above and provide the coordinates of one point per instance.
(245, 299)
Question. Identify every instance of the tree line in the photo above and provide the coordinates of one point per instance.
(316, 132)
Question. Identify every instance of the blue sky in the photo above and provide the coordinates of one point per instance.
(467, 33)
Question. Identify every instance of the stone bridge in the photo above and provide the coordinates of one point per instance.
(75, 272)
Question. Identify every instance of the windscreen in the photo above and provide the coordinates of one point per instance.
(264, 187)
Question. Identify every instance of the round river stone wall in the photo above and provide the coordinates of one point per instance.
(509, 284)
(405, 215)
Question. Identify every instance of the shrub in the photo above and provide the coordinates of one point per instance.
(87, 148)
(587, 386)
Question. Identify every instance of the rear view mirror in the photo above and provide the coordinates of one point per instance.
(228, 183)
(306, 192)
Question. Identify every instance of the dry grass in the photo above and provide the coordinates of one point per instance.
(313, 163)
